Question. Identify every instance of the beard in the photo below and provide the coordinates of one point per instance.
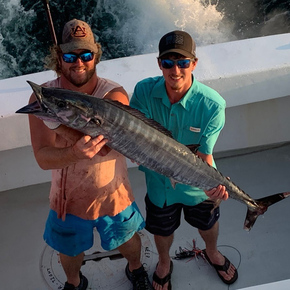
(79, 80)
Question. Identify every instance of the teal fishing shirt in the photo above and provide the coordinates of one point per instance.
(196, 119)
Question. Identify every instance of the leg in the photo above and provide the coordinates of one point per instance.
(114, 234)
(70, 238)
(162, 223)
(135, 271)
(210, 238)
(71, 267)
(131, 250)
(204, 216)
(163, 245)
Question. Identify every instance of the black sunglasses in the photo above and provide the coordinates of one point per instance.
(72, 57)
(181, 63)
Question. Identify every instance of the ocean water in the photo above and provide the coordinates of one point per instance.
(131, 27)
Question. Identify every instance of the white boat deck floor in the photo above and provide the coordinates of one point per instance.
(261, 255)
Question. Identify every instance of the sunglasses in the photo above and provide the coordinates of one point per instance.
(181, 63)
(72, 57)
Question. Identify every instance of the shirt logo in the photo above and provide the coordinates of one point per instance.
(195, 130)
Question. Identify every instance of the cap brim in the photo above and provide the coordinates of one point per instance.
(74, 45)
(180, 51)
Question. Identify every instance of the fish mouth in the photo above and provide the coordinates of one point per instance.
(38, 107)
(34, 108)
(39, 110)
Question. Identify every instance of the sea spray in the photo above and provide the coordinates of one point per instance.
(129, 27)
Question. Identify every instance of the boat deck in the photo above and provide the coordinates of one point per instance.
(262, 255)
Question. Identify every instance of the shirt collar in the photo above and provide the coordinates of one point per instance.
(159, 92)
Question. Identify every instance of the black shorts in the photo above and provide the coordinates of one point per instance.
(164, 221)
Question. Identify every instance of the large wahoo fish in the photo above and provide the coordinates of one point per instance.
(140, 139)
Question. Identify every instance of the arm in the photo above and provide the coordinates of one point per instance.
(118, 94)
(50, 157)
(208, 139)
(218, 192)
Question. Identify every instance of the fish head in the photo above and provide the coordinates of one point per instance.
(70, 108)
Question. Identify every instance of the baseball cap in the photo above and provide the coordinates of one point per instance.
(77, 34)
(177, 41)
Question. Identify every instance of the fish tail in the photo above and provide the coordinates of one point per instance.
(261, 207)
(251, 218)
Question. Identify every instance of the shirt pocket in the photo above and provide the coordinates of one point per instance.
(190, 134)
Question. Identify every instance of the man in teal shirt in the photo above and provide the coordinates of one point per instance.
(194, 114)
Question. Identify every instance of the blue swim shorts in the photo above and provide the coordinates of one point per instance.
(75, 235)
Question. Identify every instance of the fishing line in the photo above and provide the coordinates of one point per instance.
(240, 257)
(239, 253)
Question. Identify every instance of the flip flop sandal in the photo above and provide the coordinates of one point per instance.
(223, 268)
(167, 278)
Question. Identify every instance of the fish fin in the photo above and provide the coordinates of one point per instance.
(251, 218)
(193, 147)
(140, 116)
(262, 206)
(214, 202)
(271, 199)
(173, 183)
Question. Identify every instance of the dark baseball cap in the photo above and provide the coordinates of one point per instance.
(177, 41)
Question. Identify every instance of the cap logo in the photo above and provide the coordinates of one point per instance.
(78, 32)
(177, 39)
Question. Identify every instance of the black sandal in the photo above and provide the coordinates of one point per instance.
(223, 268)
(164, 280)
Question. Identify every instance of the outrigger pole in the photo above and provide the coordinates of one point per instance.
(50, 23)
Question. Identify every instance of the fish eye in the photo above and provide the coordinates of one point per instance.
(61, 104)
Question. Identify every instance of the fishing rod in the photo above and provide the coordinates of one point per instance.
(50, 23)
